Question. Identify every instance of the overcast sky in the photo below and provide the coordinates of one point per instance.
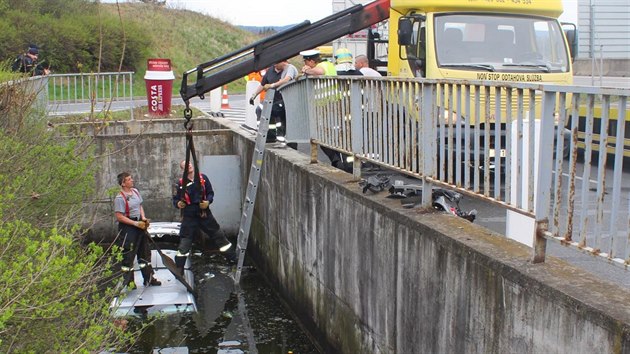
(285, 12)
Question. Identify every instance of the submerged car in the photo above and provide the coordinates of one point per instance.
(170, 297)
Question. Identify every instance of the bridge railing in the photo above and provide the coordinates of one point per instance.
(455, 134)
(97, 89)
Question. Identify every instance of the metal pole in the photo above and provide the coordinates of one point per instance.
(591, 43)
(131, 92)
(601, 64)
(544, 163)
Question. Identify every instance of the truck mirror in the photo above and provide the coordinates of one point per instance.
(405, 31)
(570, 32)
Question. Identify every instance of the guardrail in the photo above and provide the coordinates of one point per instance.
(99, 90)
(453, 134)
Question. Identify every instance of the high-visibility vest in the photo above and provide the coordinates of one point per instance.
(256, 76)
(325, 92)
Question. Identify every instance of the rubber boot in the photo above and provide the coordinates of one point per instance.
(128, 280)
(147, 275)
(180, 262)
(230, 256)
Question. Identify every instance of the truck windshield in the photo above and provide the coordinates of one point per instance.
(504, 42)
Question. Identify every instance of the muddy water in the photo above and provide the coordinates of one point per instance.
(230, 320)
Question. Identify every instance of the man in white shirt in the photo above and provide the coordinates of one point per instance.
(277, 75)
(363, 65)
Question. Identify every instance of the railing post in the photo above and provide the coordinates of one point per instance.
(428, 145)
(356, 115)
(131, 93)
(312, 122)
(544, 170)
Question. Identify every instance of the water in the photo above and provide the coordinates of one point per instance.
(253, 317)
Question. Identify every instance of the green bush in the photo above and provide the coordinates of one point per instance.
(54, 295)
(72, 35)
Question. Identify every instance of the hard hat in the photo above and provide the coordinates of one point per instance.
(343, 55)
(310, 54)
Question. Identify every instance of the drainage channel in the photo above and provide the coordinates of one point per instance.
(245, 319)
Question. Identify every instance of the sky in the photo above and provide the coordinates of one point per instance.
(285, 12)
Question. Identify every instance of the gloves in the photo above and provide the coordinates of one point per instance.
(204, 204)
(181, 204)
(267, 86)
(142, 225)
(147, 222)
(251, 100)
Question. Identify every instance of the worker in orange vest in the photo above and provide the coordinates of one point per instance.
(256, 76)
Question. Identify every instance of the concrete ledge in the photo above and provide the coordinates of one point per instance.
(609, 67)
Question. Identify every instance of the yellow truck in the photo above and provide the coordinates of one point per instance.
(494, 40)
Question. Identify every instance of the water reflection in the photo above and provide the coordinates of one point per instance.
(249, 319)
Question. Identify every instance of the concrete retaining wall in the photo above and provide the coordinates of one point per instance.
(151, 151)
(609, 67)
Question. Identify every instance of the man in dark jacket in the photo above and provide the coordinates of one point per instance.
(194, 200)
(27, 63)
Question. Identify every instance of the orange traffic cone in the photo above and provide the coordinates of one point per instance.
(225, 104)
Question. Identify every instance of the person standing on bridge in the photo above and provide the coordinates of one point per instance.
(277, 75)
(362, 64)
(315, 66)
(194, 201)
(343, 61)
(132, 237)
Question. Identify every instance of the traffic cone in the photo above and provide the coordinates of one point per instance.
(225, 104)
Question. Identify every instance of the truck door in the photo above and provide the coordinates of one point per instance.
(415, 44)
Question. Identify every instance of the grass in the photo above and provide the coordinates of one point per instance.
(185, 37)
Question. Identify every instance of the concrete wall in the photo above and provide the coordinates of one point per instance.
(608, 67)
(151, 151)
(366, 276)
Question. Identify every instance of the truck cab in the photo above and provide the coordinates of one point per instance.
(479, 40)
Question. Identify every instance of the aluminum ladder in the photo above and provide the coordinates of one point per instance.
(252, 184)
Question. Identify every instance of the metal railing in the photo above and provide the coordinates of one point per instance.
(453, 134)
(33, 86)
(99, 90)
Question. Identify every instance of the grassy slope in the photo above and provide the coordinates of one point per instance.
(186, 37)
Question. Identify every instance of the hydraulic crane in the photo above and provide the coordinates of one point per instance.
(281, 46)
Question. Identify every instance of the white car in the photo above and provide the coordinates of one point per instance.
(170, 297)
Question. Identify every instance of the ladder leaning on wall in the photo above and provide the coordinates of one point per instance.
(252, 183)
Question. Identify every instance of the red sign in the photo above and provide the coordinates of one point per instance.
(159, 64)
